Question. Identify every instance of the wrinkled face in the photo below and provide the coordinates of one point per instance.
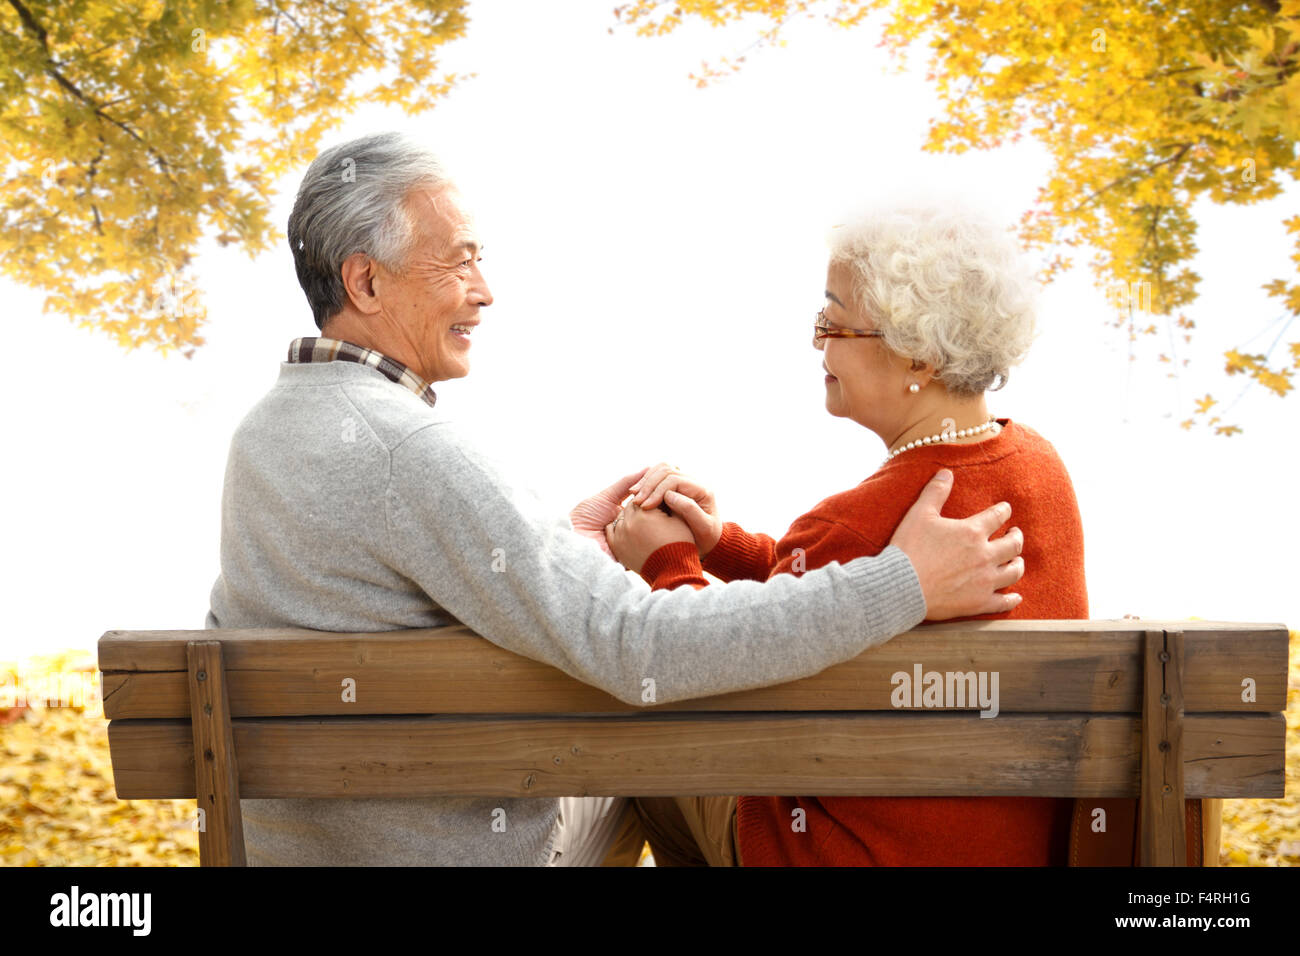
(435, 301)
(866, 381)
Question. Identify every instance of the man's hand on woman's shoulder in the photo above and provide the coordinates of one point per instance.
(960, 569)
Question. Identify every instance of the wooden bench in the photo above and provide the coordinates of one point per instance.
(1097, 709)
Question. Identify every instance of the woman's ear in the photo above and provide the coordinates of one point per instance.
(922, 372)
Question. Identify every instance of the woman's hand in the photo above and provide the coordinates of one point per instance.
(639, 532)
(687, 498)
(591, 516)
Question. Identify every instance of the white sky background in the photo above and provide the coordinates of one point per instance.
(657, 254)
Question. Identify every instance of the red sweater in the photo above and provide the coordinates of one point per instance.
(1018, 466)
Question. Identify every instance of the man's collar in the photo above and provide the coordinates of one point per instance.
(321, 349)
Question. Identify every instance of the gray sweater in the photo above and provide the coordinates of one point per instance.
(351, 505)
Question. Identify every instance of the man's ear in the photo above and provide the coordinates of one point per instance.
(358, 273)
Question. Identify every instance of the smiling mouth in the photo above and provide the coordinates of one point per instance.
(463, 331)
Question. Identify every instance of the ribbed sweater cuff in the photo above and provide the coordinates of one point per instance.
(672, 566)
(890, 592)
(737, 555)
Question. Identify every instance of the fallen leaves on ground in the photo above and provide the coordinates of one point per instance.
(57, 803)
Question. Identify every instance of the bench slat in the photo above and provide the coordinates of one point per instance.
(917, 754)
(1043, 666)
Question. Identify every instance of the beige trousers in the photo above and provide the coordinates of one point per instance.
(681, 831)
(690, 831)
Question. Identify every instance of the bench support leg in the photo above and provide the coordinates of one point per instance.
(216, 775)
(1211, 830)
(1164, 835)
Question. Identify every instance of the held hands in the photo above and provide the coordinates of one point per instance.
(959, 568)
(639, 532)
(667, 507)
(591, 516)
(687, 498)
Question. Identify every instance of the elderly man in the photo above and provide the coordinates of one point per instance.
(352, 504)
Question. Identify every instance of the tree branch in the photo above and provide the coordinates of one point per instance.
(1119, 179)
(52, 68)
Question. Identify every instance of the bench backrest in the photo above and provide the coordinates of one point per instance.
(1159, 710)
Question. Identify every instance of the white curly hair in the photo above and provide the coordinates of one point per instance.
(945, 284)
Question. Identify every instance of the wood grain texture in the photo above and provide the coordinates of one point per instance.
(1163, 833)
(1211, 831)
(215, 769)
(897, 754)
(1044, 666)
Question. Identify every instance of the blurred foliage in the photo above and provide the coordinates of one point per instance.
(57, 803)
(1267, 832)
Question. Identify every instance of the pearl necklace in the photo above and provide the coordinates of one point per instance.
(947, 434)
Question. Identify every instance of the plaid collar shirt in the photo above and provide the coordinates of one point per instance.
(320, 349)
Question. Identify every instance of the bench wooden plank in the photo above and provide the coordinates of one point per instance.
(662, 754)
(1043, 666)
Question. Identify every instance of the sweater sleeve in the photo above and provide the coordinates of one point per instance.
(672, 566)
(490, 554)
(814, 541)
(741, 556)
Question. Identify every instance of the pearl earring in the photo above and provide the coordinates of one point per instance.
(914, 388)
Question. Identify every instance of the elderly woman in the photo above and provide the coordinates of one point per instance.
(926, 310)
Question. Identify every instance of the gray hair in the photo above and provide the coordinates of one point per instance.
(353, 199)
(945, 285)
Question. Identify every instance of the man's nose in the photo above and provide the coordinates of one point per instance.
(480, 294)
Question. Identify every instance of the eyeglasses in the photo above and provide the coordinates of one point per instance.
(822, 331)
